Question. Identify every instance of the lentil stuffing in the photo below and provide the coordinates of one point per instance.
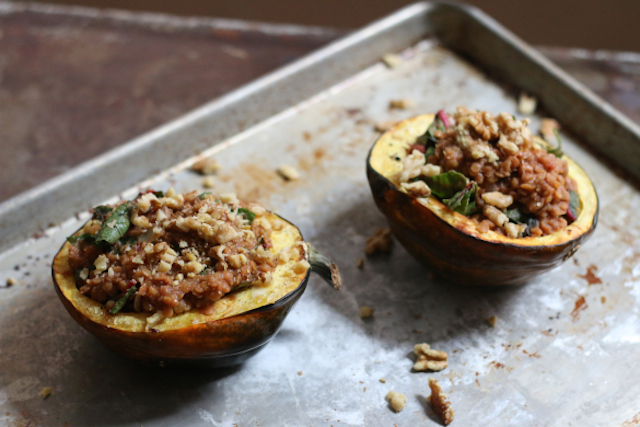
(181, 252)
(503, 180)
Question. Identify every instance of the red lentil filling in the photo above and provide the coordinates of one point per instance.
(180, 252)
(514, 174)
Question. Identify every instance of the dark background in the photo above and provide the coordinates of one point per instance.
(591, 24)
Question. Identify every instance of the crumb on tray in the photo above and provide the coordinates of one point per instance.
(208, 182)
(391, 60)
(527, 104)
(397, 400)
(401, 104)
(206, 166)
(289, 173)
(439, 402)
(382, 380)
(46, 392)
(360, 263)
(366, 312)
(491, 321)
(429, 359)
(11, 281)
(384, 126)
(380, 242)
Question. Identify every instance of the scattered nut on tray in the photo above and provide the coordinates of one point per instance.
(397, 400)
(439, 402)
(207, 166)
(429, 359)
(380, 242)
(289, 173)
(366, 312)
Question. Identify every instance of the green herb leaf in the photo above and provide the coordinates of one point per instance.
(463, 201)
(447, 184)
(574, 206)
(122, 301)
(558, 150)
(250, 216)
(204, 272)
(116, 225)
(100, 212)
(159, 194)
(85, 236)
(204, 195)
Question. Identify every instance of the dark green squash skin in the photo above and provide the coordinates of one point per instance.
(456, 256)
(215, 344)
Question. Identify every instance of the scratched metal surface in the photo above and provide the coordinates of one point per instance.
(550, 360)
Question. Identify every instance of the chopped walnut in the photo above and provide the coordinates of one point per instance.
(46, 392)
(11, 281)
(439, 402)
(527, 104)
(547, 126)
(397, 400)
(416, 188)
(391, 60)
(495, 215)
(380, 242)
(366, 312)
(206, 166)
(497, 199)
(429, 359)
(401, 104)
(289, 173)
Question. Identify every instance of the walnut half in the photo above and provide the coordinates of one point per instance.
(429, 359)
(439, 402)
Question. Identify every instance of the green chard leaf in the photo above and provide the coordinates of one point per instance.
(122, 301)
(430, 151)
(463, 201)
(558, 150)
(116, 225)
(447, 184)
(100, 212)
(204, 195)
(516, 215)
(574, 206)
(85, 236)
(429, 138)
(250, 216)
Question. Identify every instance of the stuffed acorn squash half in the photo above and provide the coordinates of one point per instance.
(185, 278)
(478, 199)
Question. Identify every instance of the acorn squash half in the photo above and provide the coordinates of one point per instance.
(243, 321)
(448, 242)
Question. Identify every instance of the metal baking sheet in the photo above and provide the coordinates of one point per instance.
(564, 350)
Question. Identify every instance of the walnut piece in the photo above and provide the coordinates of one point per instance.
(439, 402)
(391, 60)
(366, 312)
(380, 242)
(401, 104)
(429, 359)
(397, 400)
(289, 173)
(527, 104)
(206, 166)
(491, 321)
(46, 392)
